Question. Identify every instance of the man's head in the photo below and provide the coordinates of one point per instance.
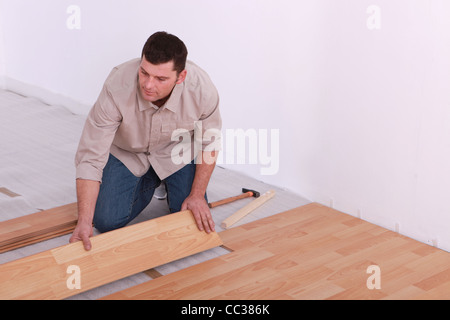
(162, 66)
(163, 47)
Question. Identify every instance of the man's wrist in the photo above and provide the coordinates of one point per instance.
(85, 220)
(197, 193)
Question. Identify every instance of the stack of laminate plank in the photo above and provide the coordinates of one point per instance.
(36, 227)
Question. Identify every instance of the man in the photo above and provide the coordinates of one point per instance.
(127, 145)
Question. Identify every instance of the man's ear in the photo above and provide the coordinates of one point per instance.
(182, 76)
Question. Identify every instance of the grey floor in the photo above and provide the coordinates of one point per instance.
(38, 143)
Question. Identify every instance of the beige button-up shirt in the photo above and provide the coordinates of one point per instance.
(140, 134)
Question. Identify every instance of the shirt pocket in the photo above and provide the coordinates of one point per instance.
(168, 128)
(189, 126)
(173, 131)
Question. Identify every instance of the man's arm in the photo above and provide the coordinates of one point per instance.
(196, 201)
(93, 152)
(87, 193)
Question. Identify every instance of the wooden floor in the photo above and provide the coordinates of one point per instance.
(311, 252)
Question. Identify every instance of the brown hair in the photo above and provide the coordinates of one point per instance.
(163, 47)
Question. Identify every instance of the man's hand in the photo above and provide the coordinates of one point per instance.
(196, 201)
(200, 211)
(82, 232)
(87, 192)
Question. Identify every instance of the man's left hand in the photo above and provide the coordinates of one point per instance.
(200, 210)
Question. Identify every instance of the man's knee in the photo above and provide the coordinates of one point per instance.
(105, 224)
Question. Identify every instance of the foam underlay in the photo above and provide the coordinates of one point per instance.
(38, 144)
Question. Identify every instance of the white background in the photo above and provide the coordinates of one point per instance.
(363, 115)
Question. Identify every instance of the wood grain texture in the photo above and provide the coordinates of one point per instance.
(311, 252)
(114, 255)
(36, 227)
(241, 213)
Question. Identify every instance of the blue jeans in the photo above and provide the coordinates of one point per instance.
(123, 196)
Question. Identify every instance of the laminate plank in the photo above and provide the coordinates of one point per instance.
(434, 280)
(409, 292)
(355, 293)
(317, 291)
(254, 282)
(114, 255)
(36, 239)
(152, 273)
(36, 227)
(440, 292)
(8, 192)
(171, 285)
(312, 252)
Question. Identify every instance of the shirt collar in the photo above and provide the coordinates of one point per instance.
(171, 104)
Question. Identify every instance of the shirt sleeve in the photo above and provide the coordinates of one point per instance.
(211, 121)
(98, 134)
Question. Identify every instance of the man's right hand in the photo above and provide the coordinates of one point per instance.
(87, 192)
(82, 232)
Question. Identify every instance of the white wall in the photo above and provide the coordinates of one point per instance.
(363, 114)
(2, 49)
(380, 143)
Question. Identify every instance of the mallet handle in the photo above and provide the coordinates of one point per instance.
(247, 209)
(231, 199)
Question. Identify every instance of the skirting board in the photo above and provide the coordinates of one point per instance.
(114, 255)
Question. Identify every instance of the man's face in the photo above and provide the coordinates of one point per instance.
(156, 82)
